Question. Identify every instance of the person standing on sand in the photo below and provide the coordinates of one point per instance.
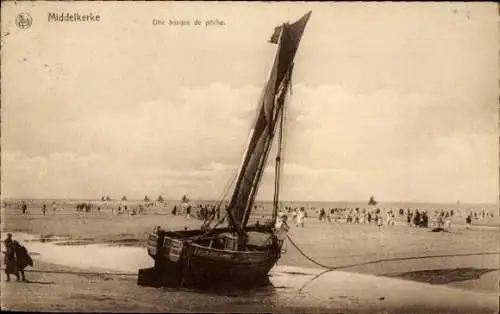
(388, 219)
(425, 219)
(22, 259)
(282, 231)
(321, 215)
(279, 221)
(447, 223)
(295, 213)
(468, 221)
(44, 209)
(379, 219)
(416, 219)
(408, 218)
(10, 257)
(24, 207)
(440, 221)
(300, 218)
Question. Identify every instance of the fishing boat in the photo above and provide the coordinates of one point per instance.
(372, 201)
(239, 253)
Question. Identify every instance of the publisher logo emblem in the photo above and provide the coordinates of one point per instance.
(23, 20)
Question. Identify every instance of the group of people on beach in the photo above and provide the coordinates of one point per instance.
(24, 207)
(348, 215)
(202, 212)
(16, 259)
(84, 207)
(182, 210)
(416, 217)
(126, 210)
(208, 212)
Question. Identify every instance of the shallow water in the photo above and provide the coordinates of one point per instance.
(85, 256)
(106, 257)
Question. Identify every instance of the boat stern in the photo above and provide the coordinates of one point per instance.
(153, 243)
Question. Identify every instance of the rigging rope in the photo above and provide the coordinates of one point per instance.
(223, 196)
(207, 222)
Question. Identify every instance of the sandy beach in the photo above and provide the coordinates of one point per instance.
(461, 261)
(333, 293)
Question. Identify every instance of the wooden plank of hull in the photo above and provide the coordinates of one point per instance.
(220, 268)
(207, 270)
(233, 267)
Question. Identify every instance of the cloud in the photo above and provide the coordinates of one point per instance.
(340, 144)
(72, 176)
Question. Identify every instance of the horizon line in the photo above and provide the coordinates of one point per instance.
(257, 201)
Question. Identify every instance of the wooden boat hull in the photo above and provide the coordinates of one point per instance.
(211, 267)
(182, 263)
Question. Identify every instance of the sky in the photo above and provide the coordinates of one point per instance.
(390, 99)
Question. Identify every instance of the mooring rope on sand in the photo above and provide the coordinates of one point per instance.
(76, 272)
(394, 259)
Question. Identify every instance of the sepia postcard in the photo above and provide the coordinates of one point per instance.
(291, 157)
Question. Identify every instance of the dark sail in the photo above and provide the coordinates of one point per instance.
(287, 37)
(372, 201)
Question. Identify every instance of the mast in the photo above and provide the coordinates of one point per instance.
(279, 153)
(287, 37)
(277, 169)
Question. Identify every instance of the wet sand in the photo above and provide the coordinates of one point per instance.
(454, 282)
(334, 292)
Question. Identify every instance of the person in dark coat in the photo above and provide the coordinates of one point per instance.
(416, 219)
(23, 259)
(425, 220)
(468, 221)
(10, 257)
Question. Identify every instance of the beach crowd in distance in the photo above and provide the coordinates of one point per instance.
(424, 216)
